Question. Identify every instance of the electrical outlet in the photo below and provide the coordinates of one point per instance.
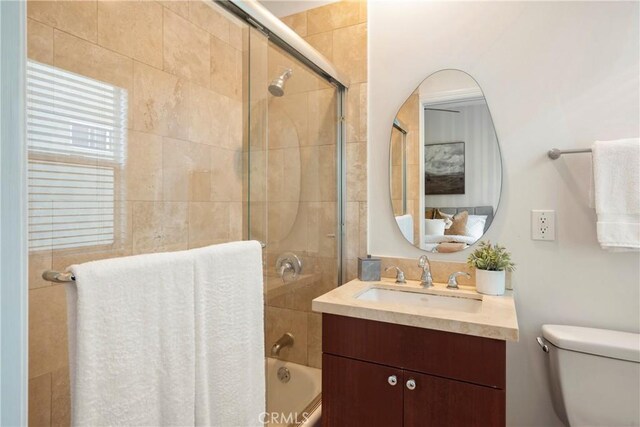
(543, 225)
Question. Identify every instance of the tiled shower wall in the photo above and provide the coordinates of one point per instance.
(409, 115)
(339, 32)
(182, 65)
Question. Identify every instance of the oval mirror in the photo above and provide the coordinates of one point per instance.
(445, 165)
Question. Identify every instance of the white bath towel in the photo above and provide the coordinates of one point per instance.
(405, 222)
(131, 341)
(230, 371)
(616, 173)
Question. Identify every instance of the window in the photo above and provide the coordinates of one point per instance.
(76, 137)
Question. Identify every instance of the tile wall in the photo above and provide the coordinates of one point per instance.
(181, 64)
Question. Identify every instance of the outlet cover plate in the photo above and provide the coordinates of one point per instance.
(543, 225)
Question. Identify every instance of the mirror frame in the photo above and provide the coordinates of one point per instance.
(502, 163)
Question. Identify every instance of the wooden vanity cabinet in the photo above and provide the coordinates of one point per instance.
(459, 379)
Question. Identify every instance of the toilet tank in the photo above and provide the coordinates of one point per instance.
(594, 375)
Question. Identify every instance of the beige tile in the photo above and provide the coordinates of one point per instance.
(209, 117)
(363, 112)
(226, 175)
(210, 18)
(322, 117)
(132, 28)
(314, 338)
(160, 103)
(322, 229)
(144, 166)
(323, 43)
(350, 51)
(310, 174)
(90, 60)
(186, 171)
(186, 49)
(357, 171)
(237, 124)
(353, 230)
(60, 398)
(40, 401)
(47, 330)
(332, 16)
(39, 42)
(178, 6)
(159, 226)
(236, 37)
(38, 262)
(279, 321)
(327, 172)
(235, 221)
(362, 238)
(281, 219)
(226, 69)
(353, 114)
(288, 120)
(208, 223)
(363, 11)
(77, 17)
(297, 22)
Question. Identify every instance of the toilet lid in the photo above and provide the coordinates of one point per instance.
(601, 342)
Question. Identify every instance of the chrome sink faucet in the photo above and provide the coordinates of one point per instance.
(426, 280)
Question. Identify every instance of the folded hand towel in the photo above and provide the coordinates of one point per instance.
(230, 388)
(131, 341)
(616, 173)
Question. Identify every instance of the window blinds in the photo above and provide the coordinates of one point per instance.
(76, 135)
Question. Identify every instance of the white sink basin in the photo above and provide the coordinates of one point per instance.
(416, 299)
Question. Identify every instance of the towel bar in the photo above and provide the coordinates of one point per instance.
(66, 277)
(555, 153)
(58, 277)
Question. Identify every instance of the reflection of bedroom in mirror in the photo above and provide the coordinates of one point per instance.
(445, 164)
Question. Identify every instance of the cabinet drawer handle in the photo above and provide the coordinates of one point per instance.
(393, 380)
(411, 384)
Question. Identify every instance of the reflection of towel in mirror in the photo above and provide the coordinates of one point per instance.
(405, 222)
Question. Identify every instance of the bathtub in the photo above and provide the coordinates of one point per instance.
(295, 402)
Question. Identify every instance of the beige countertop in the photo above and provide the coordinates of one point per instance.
(490, 316)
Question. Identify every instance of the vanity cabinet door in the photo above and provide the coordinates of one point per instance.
(358, 393)
(435, 401)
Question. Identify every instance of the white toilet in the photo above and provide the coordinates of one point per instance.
(595, 375)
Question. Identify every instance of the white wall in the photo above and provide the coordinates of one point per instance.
(555, 74)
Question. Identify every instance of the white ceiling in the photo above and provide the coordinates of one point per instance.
(282, 8)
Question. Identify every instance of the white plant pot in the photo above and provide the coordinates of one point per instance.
(490, 282)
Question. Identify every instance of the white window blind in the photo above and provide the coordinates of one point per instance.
(76, 133)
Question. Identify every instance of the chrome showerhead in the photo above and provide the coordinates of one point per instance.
(277, 85)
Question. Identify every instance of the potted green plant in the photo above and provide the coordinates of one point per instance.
(491, 262)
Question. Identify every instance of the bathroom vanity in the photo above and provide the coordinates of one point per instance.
(403, 355)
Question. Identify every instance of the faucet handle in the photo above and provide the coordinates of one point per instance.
(399, 274)
(453, 279)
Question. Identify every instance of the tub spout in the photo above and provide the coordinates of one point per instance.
(285, 340)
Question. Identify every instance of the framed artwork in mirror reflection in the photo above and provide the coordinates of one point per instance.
(444, 168)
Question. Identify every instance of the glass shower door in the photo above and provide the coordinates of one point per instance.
(293, 207)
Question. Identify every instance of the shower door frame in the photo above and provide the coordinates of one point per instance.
(286, 39)
(14, 300)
